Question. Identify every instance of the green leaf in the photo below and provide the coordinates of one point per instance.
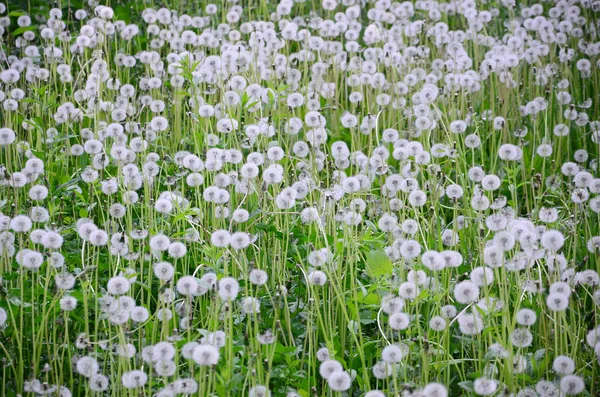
(251, 104)
(371, 299)
(466, 385)
(16, 301)
(22, 30)
(378, 264)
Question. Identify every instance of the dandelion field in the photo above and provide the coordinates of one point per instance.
(299, 198)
